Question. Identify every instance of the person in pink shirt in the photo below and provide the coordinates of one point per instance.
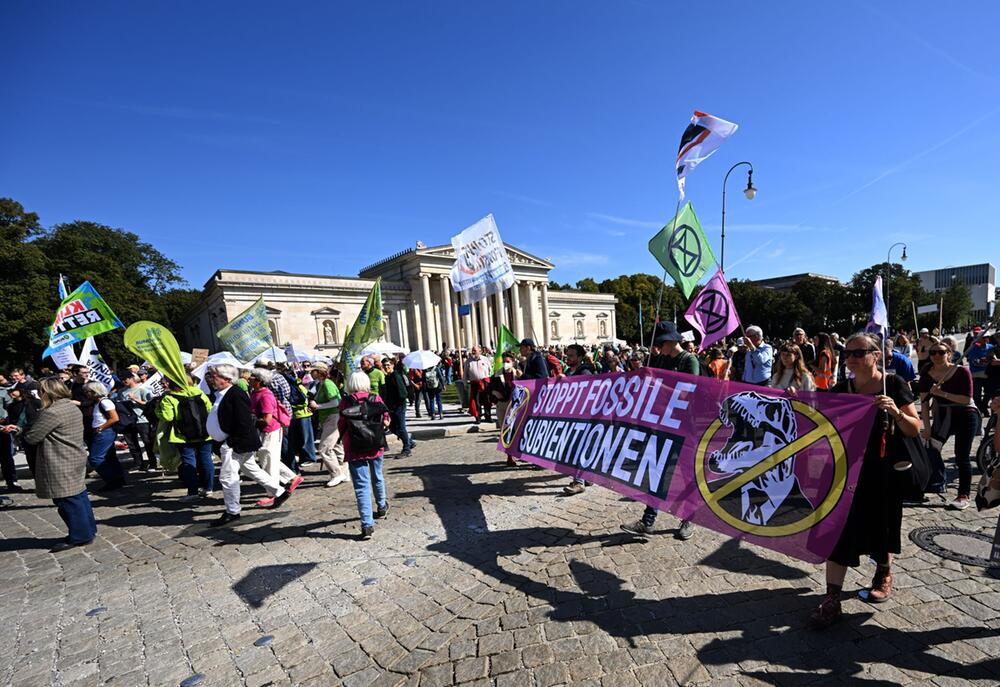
(272, 418)
(362, 424)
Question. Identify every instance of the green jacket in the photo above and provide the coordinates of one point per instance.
(166, 410)
(302, 410)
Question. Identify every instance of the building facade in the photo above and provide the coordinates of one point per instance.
(420, 309)
(981, 280)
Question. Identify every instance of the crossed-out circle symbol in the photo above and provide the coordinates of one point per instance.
(684, 240)
(517, 412)
(824, 430)
(714, 308)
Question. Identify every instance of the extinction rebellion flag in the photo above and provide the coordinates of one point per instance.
(683, 250)
(702, 137)
(713, 312)
(776, 470)
(82, 314)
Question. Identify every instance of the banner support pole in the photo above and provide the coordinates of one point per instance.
(663, 283)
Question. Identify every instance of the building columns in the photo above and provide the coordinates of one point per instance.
(545, 312)
(501, 311)
(446, 311)
(516, 321)
(427, 311)
(534, 330)
(418, 323)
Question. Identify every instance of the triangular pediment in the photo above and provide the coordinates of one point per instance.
(327, 311)
(515, 255)
(272, 311)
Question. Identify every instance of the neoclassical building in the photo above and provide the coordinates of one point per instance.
(420, 308)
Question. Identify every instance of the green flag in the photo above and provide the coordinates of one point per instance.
(247, 335)
(683, 250)
(506, 342)
(367, 328)
(154, 342)
(81, 314)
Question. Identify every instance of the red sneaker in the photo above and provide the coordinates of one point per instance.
(296, 481)
(265, 503)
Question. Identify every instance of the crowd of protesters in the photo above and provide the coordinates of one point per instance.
(266, 423)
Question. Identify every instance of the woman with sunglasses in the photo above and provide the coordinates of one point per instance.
(790, 372)
(875, 519)
(946, 410)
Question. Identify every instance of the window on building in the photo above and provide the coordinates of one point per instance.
(273, 326)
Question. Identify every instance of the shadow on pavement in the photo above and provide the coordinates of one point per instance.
(264, 580)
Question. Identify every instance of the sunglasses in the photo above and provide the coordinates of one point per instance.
(945, 352)
(859, 352)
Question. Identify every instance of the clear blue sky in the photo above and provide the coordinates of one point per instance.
(320, 137)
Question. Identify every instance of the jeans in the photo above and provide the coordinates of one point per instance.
(104, 459)
(78, 515)
(288, 457)
(434, 399)
(7, 459)
(418, 396)
(398, 426)
(132, 436)
(362, 477)
(302, 440)
(960, 423)
(197, 468)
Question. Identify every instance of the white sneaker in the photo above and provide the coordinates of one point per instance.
(960, 503)
(335, 481)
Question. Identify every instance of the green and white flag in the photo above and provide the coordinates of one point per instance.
(81, 314)
(506, 342)
(247, 335)
(683, 250)
(367, 328)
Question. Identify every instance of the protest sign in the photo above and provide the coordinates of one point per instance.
(155, 343)
(775, 470)
(198, 356)
(99, 370)
(481, 266)
(81, 314)
(247, 335)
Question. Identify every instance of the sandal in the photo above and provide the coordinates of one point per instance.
(827, 613)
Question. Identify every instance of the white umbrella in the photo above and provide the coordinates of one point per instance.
(421, 360)
(271, 355)
(185, 357)
(297, 355)
(383, 348)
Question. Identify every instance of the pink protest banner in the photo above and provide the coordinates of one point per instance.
(775, 470)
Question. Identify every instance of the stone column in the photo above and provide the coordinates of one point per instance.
(501, 310)
(516, 320)
(470, 327)
(482, 308)
(613, 333)
(402, 322)
(418, 322)
(446, 311)
(427, 312)
(545, 312)
(534, 331)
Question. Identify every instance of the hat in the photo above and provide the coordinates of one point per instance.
(665, 331)
(977, 329)
(322, 367)
(925, 330)
(740, 342)
(134, 368)
(528, 342)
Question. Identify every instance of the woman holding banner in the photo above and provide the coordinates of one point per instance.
(874, 522)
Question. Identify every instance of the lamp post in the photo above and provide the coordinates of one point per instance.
(749, 192)
(888, 266)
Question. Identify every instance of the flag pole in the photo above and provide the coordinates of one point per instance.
(663, 280)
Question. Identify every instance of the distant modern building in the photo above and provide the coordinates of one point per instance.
(981, 280)
(789, 282)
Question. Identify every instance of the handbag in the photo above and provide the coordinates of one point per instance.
(926, 469)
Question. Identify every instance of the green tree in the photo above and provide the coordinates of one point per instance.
(26, 288)
(587, 285)
(957, 311)
(901, 286)
(830, 306)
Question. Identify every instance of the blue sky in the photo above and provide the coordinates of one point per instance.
(320, 137)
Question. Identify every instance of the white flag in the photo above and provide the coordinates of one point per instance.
(65, 356)
(99, 370)
(481, 266)
(702, 137)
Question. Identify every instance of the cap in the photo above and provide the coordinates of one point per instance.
(740, 342)
(665, 331)
(134, 368)
(528, 342)
(925, 330)
(977, 329)
(322, 367)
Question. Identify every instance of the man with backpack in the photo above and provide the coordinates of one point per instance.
(395, 393)
(433, 383)
(186, 410)
(132, 397)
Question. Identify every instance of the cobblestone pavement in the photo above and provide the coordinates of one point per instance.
(480, 575)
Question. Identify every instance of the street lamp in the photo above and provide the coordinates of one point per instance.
(749, 192)
(885, 292)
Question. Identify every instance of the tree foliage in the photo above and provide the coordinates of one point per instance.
(131, 275)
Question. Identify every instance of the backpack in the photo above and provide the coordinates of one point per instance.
(126, 415)
(295, 395)
(432, 378)
(192, 418)
(365, 427)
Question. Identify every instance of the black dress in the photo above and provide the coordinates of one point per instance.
(876, 516)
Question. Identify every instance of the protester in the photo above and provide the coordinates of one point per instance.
(873, 524)
(924, 344)
(738, 359)
(758, 358)
(7, 448)
(946, 410)
(22, 412)
(62, 463)
(375, 375)
(577, 365)
(790, 373)
(185, 410)
(898, 364)
(362, 415)
(301, 440)
(433, 383)
(667, 354)
(535, 366)
(717, 363)
(136, 397)
(103, 457)
(233, 425)
(395, 395)
(326, 405)
(824, 365)
(81, 375)
(979, 355)
(477, 373)
(904, 347)
(805, 346)
(271, 418)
